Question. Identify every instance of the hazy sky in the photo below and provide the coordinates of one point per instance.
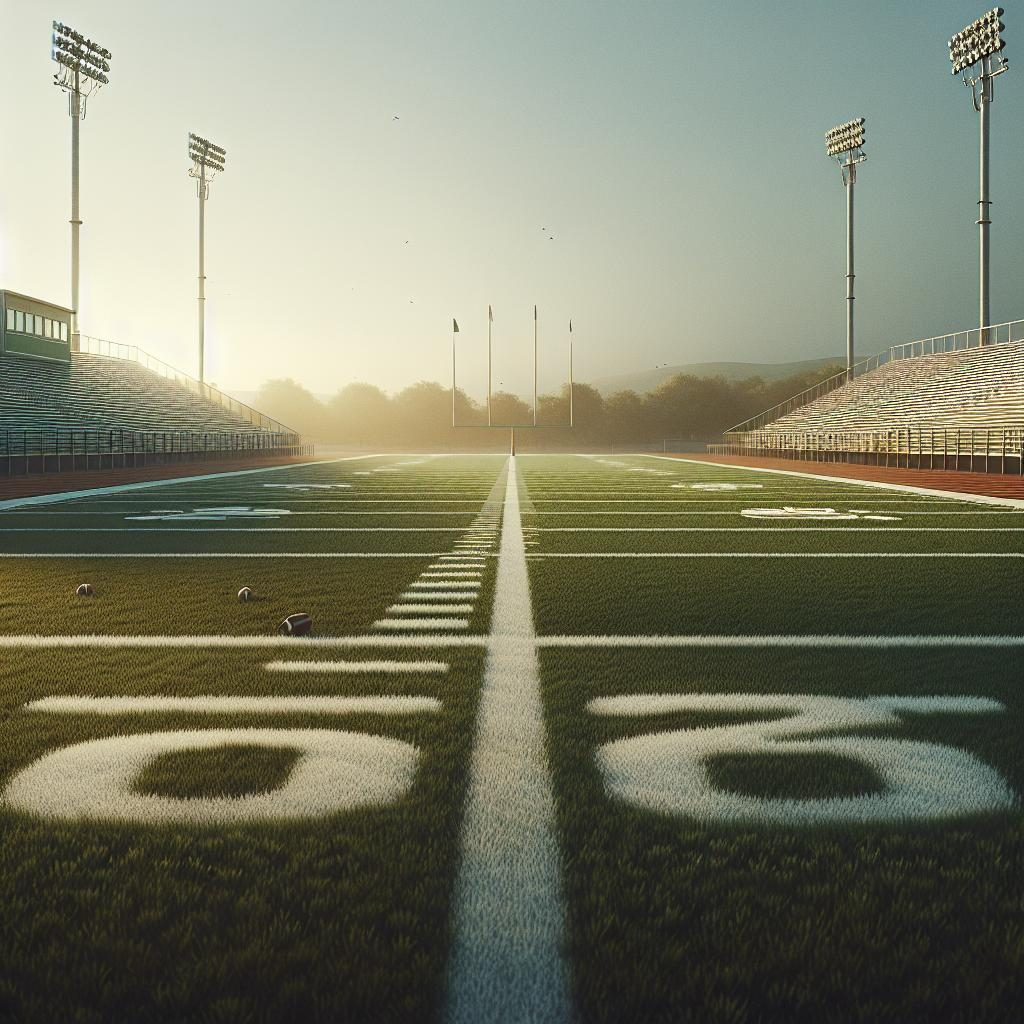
(674, 151)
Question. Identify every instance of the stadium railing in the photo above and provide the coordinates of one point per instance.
(58, 449)
(995, 335)
(976, 450)
(116, 350)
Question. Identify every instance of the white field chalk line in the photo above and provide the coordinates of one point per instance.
(49, 499)
(778, 554)
(440, 595)
(427, 609)
(825, 640)
(983, 499)
(209, 705)
(98, 640)
(219, 554)
(358, 667)
(507, 959)
(425, 624)
(776, 529)
(445, 584)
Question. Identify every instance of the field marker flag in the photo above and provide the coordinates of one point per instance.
(455, 330)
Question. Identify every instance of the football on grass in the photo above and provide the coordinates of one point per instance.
(85, 590)
(246, 594)
(296, 625)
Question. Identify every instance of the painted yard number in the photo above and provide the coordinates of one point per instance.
(336, 770)
(665, 772)
(668, 771)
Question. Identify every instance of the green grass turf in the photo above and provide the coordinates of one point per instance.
(794, 777)
(648, 596)
(674, 920)
(229, 771)
(198, 596)
(341, 919)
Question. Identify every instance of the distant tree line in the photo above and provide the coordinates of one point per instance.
(683, 408)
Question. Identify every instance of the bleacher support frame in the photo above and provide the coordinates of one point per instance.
(65, 449)
(971, 450)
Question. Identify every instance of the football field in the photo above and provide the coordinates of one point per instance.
(593, 738)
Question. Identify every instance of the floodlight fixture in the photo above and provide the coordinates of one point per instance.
(976, 54)
(845, 142)
(83, 66)
(207, 161)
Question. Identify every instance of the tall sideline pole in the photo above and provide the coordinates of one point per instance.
(490, 320)
(850, 182)
(202, 274)
(982, 43)
(570, 374)
(75, 98)
(984, 203)
(207, 161)
(535, 365)
(82, 68)
(845, 142)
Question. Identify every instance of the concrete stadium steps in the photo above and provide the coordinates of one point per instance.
(979, 388)
(102, 393)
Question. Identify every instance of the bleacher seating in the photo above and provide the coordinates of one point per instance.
(96, 392)
(978, 388)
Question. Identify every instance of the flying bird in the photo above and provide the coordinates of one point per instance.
(396, 118)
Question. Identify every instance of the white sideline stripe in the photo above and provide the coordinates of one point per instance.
(209, 705)
(357, 667)
(49, 499)
(786, 640)
(424, 609)
(427, 624)
(507, 958)
(982, 499)
(219, 554)
(778, 554)
(716, 512)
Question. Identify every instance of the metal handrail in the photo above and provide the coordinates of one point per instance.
(132, 353)
(63, 440)
(997, 334)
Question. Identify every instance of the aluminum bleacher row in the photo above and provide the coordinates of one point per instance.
(110, 412)
(963, 407)
(94, 391)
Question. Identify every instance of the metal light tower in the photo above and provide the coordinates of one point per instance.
(846, 143)
(207, 161)
(570, 375)
(980, 44)
(83, 67)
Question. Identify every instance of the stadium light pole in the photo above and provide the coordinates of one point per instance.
(83, 67)
(455, 330)
(535, 364)
(490, 321)
(845, 142)
(974, 53)
(207, 161)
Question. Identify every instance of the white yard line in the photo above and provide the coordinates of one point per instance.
(219, 554)
(777, 529)
(296, 644)
(425, 624)
(825, 640)
(982, 499)
(778, 554)
(359, 667)
(507, 961)
(293, 644)
(429, 609)
(211, 705)
(49, 499)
